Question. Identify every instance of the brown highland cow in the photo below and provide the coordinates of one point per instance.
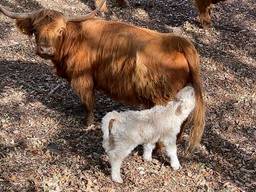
(131, 64)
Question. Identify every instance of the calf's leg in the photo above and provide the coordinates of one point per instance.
(171, 150)
(116, 169)
(147, 151)
(116, 156)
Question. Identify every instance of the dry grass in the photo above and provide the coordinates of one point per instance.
(45, 147)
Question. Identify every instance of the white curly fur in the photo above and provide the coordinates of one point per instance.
(123, 131)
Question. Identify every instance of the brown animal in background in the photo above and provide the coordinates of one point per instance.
(103, 8)
(204, 7)
(122, 3)
(131, 64)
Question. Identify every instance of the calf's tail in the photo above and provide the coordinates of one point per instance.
(107, 123)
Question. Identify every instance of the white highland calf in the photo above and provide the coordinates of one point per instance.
(124, 131)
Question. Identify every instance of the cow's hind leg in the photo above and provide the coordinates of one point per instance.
(88, 103)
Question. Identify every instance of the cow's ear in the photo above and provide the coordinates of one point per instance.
(25, 26)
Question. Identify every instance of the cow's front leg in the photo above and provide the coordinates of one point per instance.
(83, 86)
(88, 101)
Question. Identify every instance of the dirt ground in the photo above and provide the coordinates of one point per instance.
(44, 145)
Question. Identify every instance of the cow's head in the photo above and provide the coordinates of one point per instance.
(48, 26)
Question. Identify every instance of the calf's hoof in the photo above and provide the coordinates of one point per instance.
(175, 165)
(147, 157)
(117, 179)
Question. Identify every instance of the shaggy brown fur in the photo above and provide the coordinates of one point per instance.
(131, 64)
(204, 7)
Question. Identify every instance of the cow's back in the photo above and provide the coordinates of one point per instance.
(137, 65)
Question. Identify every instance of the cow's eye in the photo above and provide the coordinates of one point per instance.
(34, 31)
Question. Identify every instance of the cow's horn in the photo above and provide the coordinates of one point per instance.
(90, 15)
(12, 14)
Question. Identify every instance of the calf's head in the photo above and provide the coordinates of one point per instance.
(48, 26)
(185, 100)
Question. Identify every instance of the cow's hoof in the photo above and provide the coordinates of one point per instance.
(89, 121)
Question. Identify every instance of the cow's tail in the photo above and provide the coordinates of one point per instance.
(107, 124)
(198, 115)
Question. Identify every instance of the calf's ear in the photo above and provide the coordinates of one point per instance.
(25, 26)
(178, 110)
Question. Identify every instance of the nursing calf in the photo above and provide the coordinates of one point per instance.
(124, 131)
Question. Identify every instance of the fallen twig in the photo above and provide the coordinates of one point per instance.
(54, 89)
